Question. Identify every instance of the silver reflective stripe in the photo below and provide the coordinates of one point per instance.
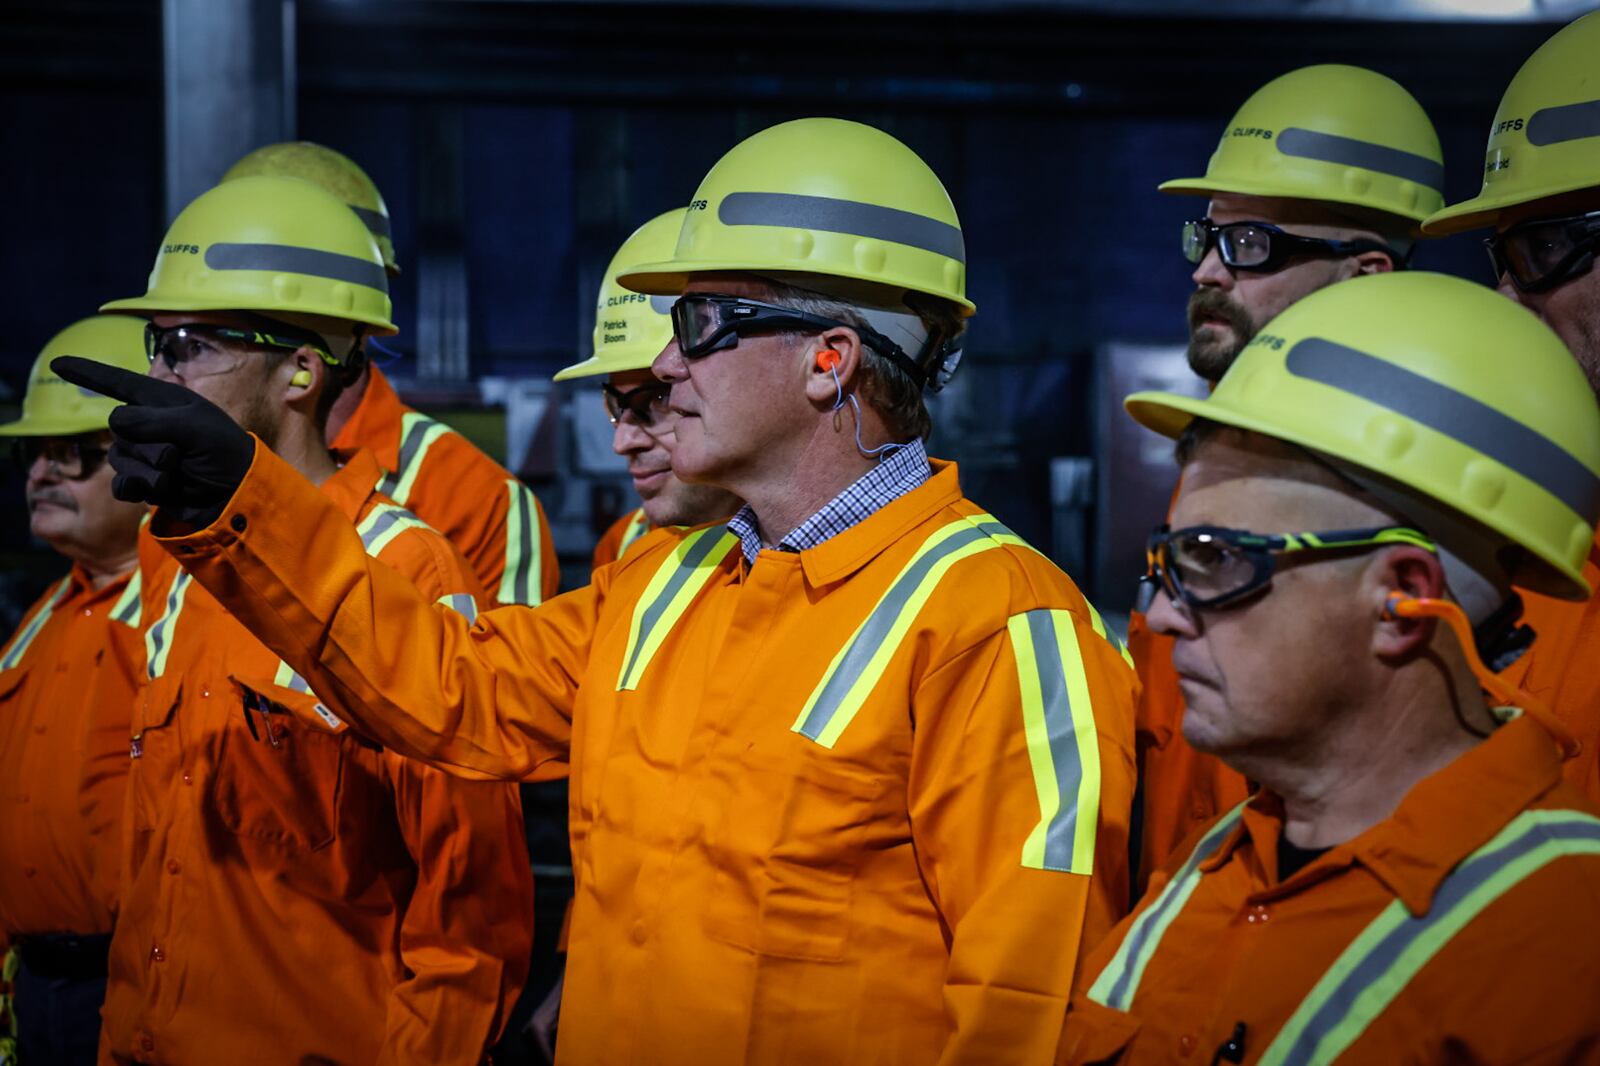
(662, 305)
(1569, 122)
(522, 580)
(1454, 414)
(1349, 152)
(382, 522)
(289, 259)
(126, 610)
(1381, 961)
(842, 216)
(377, 222)
(420, 433)
(25, 637)
(158, 641)
(1063, 749)
(461, 603)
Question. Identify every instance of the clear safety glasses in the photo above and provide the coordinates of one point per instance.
(1542, 253)
(1260, 247)
(201, 350)
(1208, 567)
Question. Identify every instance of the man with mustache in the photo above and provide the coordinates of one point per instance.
(67, 679)
(1322, 175)
(1541, 192)
(629, 332)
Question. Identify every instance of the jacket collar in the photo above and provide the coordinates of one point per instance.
(355, 482)
(839, 557)
(375, 423)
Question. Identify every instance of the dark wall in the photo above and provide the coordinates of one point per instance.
(569, 124)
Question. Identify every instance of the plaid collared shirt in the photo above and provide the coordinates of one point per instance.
(895, 475)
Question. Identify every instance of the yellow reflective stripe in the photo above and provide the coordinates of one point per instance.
(158, 641)
(1378, 965)
(522, 581)
(25, 636)
(1111, 638)
(461, 603)
(637, 527)
(1063, 745)
(1118, 983)
(287, 678)
(418, 433)
(384, 523)
(674, 586)
(860, 664)
(126, 609)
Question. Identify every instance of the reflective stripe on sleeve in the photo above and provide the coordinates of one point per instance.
(1118, 983)
(682, 575)
(384, 523)
(418, 433)
(1374, 970)
(461, 603)
(1063, 746)
(522, 581)
(126, 609)
(25, 636)
(158, 641)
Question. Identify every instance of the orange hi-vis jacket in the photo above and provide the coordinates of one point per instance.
(474, 502)
(1461, 929)
(621, 535)
(1180, 789)
(67, 679)
(1563, 669)
(293, 895)
(863, 803)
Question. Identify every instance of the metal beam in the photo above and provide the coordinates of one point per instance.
(229, 87)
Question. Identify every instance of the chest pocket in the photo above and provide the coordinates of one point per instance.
(280, 782)
(155, 745)
(791, 850)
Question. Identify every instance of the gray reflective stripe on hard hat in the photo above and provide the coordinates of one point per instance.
(842, 216)
(1063, 743)
(313, 262)
(1347, 151)
(1118, 983)
(662, 305)
(19, 643)
(1381, 961)
(1569, 122)
(1454, 414)
(376, 221)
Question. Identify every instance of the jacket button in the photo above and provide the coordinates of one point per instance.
(157, 955)
(188, 778)
(1185, 1044)
(238, 523)
(174, 867)
(640, 932)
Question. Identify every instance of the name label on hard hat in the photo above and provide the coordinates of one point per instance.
(1508, 124)
(173, 249)
(1268, 340)
(1251, 131)
(697, 205)
(1498, 160)
(627, 298)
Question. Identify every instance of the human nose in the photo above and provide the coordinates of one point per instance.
(629, 438)
(1212, 271)
(1169, 618)
(670, 366)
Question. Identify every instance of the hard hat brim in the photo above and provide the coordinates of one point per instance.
(49, 427)
(672, 277)
(1207, 186)
(146, 308)
(1482, 211)
(1169, 414)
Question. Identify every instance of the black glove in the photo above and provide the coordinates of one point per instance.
(170, 446)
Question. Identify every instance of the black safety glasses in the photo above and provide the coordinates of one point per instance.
(1260, 247)
(73, 458)
(1207, 567)
(704, 323)
(644, 404)
(1545, 252)
(207, 349)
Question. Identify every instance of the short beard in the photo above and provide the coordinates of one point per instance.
(1211, 359)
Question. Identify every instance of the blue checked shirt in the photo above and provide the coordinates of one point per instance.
(895, 475)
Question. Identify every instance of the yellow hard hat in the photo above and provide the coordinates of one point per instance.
(1546, 136)
(825, 197)
(1331, 132)
(335, 172)
(269, 245)
(56, 408)
(630, 329)
(1406, 375)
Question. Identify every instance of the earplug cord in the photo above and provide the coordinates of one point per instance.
(1499, 689)
(870, 453)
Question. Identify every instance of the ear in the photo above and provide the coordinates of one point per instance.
(820, 387)
(1414, 572)
(303, 374)
(1374, 263)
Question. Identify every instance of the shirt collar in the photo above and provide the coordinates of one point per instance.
(896, 474)
(1443, 819)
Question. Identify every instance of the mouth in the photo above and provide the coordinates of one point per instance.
(1211, 322)
(42, 502)
(649, 480)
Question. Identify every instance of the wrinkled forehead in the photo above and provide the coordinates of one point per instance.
(1246, 480)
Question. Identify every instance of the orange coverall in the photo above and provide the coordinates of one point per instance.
(67, 679)
(443, 479)
(291, 895)
(838, 807)
(1461, 930)
(622, 534)
(1563, 669)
